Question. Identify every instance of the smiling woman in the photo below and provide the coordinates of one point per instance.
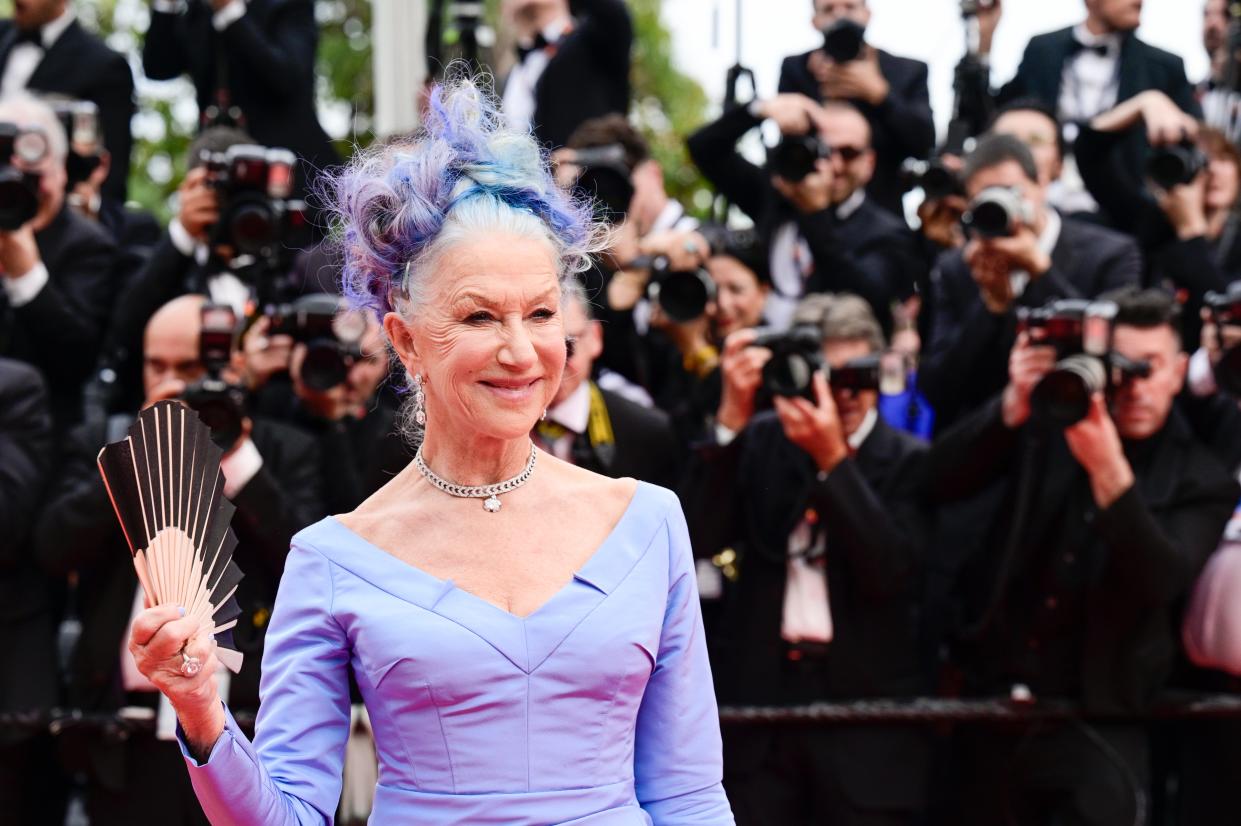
(539, 659)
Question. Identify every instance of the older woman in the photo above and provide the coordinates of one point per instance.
(525, 634)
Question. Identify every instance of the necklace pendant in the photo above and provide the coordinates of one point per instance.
(491, 504)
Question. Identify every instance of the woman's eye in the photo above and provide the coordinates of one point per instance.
(543, 314)
(478, 317)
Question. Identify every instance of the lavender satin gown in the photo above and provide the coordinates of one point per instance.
(596, 709)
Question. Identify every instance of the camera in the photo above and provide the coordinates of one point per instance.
(794, 157)
(996, 212)
(604, 180)
(843, 40)
(933, 177)
(257, 216)
(333, 338)
(221, 405)
(1080, 331)
(682, 295)
(1180, 163)
(19, 188)
(795, 355)
(80, 119)
(1225, 310)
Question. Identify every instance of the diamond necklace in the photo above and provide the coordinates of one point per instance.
(488, 493)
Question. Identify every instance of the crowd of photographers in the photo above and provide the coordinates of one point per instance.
(985, 448)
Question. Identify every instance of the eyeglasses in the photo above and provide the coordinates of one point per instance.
(849, 154)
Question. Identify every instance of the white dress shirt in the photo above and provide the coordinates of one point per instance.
(573, 414)
(518, 103)
(24, 57)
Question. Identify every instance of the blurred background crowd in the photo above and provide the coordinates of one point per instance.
(953, 412)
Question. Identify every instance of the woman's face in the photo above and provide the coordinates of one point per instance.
(1223, 181)
(739, 297)
(488, 340)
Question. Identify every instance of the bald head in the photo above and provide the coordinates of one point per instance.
(170, 347)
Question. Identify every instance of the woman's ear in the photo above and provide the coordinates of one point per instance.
(402, 338)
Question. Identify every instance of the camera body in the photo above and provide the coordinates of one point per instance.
(843, 40)
(682, 295)
(1225, 311)
(605, 181)
(80, 118)
(933, 177)
(795, 156)
(257, 216)
(996, 212)
(19, 188)
(220, 404)
(333, 338)
(796, 354)
(1080, 331)
(1175, 164)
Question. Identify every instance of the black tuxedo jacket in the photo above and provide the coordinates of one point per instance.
(749, 496)
(61, 329)
(1125, 568)
(871, 253)
(80, 65)
(902, 125)
(645, 446)
(29, 681)
(266, 60)
(78, 532)
(588, 75)
(965, 362)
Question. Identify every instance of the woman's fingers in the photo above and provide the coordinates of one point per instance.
(151, 620)
(171, 638)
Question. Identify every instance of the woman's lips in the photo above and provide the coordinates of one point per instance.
(511, 390)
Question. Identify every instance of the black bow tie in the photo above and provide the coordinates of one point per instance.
(540, 43)
(32, 36)
(1101, 49)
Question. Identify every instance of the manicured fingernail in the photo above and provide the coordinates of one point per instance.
(181, 610)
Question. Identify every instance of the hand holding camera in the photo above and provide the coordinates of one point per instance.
(1185, 207)
(1027, 365)
(858, 79)
(1095, 444)
(18, 251)
(265, 355)
(741, 366)
(815, 428)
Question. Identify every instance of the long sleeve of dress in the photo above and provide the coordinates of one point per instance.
(291, 773)
(678, 766)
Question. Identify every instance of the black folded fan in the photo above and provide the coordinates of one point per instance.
(166, 487)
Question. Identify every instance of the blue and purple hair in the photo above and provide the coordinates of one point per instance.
(397, 207)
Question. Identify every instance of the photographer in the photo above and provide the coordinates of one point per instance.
(272, 475)
(252, 63)
(1184, 213)
(338, 369)
(1087, 69)
(1021, 253)
(31, 789)
(572, 64)
(890, 91)
(57, 268)
(820, 502)
(1104, 525)
(45, 50)
(810, 203)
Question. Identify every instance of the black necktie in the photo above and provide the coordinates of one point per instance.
(540, 42)
(32, 36)
(1101, 49)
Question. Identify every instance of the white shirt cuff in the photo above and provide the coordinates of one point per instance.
(168, 6)
(239, 467)
(181, 238)
(724, 435)
(24, 288)
(228, 15)
(1201, 376)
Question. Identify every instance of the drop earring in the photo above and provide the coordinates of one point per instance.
(420, 402)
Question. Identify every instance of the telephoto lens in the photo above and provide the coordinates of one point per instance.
(682, 295)
(795, 355)
(794, 157)
(995, 213)
(842, 41)
(1169, 166)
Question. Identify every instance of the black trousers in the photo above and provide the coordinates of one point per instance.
(157, 789)
(33, 790)
(1051, 774)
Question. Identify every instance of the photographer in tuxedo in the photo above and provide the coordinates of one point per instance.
(1103, 527)
(1031, 257)
(253, 66)
(825, 233)
(272, 474)
(890, 91)
(57, 268)
(45, 50)
(572, 64)
(821, 502)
